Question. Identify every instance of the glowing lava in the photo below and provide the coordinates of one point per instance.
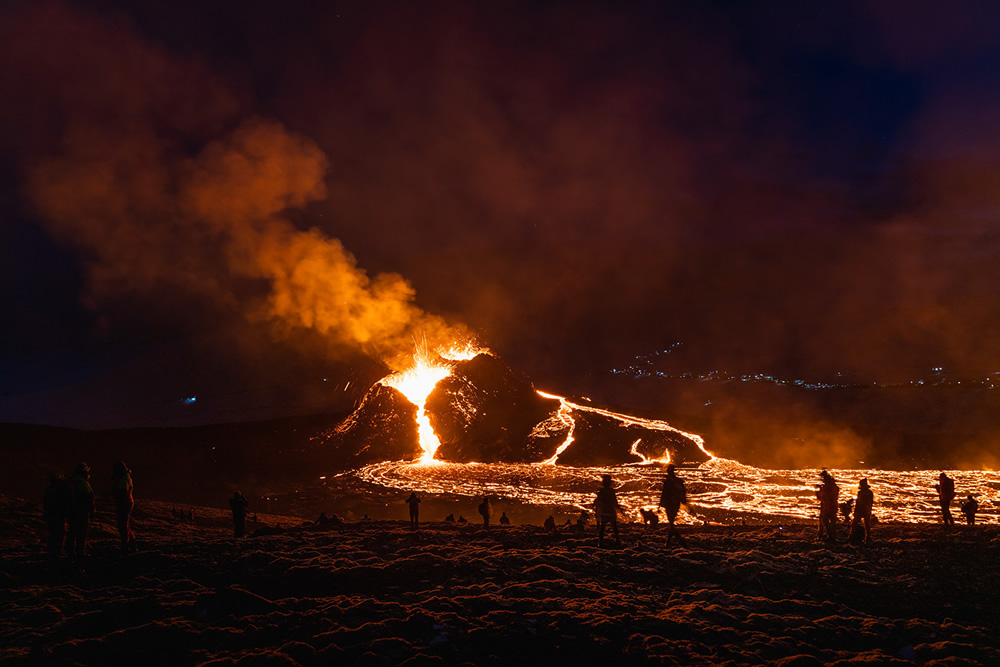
(417, 382)
(565, 418)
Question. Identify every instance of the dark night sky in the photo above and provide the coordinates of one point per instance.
(791, 188)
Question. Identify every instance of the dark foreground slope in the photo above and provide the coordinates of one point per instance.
(376, 593)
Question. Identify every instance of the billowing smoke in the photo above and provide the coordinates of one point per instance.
(163, 181)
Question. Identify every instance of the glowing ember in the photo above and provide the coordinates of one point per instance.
(417, 382)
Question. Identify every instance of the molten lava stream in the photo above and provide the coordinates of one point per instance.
(565, 417)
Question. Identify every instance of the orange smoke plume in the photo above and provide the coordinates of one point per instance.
(123, 185)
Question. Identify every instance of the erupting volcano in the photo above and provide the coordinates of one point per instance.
(463, 404)
(417, 382)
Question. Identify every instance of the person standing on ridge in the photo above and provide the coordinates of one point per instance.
(238, 504)
(414, 504)
(486, 510)
(81, 510)
(121, 490)
(54, 509)
(674, 495)
(946, 493)
(862, 512)
(828, 493)
(606, 509)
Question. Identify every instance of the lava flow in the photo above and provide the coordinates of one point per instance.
(574, 438)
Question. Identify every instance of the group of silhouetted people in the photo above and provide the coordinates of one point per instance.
(68, 509)
(946, 494)
(485, 510)
(672, 496)
(862, 505)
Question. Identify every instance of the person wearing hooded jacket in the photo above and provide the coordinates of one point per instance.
(81, 510)
(862, 512)
(827, 494)
(606, 510)
(969, 508)
(121, 490)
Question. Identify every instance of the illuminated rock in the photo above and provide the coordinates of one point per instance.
(603, 438)
(382, 428)
(484, 412)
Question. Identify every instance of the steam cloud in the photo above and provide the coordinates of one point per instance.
(123, 184)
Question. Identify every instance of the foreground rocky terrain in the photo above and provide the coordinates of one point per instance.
(378, 593)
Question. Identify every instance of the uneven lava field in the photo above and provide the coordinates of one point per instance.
(378, 593)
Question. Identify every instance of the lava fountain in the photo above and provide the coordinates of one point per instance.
(417, 382)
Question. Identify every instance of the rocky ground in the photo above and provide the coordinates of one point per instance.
(378, 593)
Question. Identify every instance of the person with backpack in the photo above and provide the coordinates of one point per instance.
(946, 493)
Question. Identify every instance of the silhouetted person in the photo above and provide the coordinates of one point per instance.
(121, 490)
(486, 511)
(673, 495)
(969, 508)
(504, 521)
(462, 519)
(581, 521)
(450, 518)
(606, 509)
(239, 505)
(414, 504)
(550, 524)
(81, 510)
(55, 507)
(862, 513)
(828, 494)
(946, 493)
(846, 508)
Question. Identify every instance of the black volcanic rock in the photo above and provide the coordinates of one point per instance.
(600, 440)
(382, 428)
(484, 412)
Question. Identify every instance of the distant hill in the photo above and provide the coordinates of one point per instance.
(199, 464)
